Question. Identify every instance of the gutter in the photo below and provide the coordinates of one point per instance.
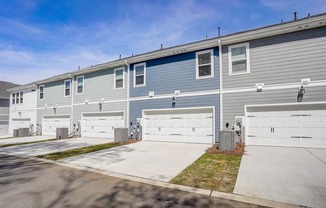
(128, 94)
(221, 83)
(72, 103)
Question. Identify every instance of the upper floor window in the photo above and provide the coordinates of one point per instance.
(67, 86)
(41, 88)
(80, 84)
(140, 75)
(239, 59)
(13, 98)
(118, 78)
(204, 64)
(17, 97)
(21, 97)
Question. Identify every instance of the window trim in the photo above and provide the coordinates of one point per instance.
(247, 58)
(39, 87)
(13, 99)
(21, 97)
(211, 51)
(123, 78)
(64, 88)
(140, 64)
(78, 93)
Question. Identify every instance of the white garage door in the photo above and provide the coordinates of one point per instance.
(305, 128)
(51, 123)
(101, 125)
(21, 123)
(179, 125)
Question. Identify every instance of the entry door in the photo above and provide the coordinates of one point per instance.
(51, 123)
(191, 126)
(101, 125)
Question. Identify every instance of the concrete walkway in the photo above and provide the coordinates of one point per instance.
(25, 139)
(53, 146)
(160, 161)
(290, 175)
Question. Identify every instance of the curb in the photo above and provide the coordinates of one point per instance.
(205, 192)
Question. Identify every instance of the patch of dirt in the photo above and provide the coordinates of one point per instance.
(130, 141)
(239, 150)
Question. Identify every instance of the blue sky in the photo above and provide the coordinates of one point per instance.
(42, 38)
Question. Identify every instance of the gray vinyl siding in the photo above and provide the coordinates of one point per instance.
(53, 95)
(4, 102)
(136, 107)
(94, 108)
(281, 59)
(178, 72)
(4, 110)
(233, 103)
(99, 85)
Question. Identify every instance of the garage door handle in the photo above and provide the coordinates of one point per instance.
(251, 136)
(295, 137)
(176, 134)
(306, 137)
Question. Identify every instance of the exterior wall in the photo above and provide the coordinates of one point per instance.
(27, 109)
(4, 116)
(136, 107)
(99, 85)
(178, 72)
(281, 59)
(233, 103)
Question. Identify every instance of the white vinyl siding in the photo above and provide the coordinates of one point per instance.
(41, 88)
(80, 85)
(67, 87)
(239, 59)
(204, 64)
(140, 75)
(118, 78)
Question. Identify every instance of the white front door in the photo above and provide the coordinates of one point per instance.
(51, 123)
(179, 125)
(101, 125)
(287, 128)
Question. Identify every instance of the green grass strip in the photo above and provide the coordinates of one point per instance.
(21, 143)
(78, 151)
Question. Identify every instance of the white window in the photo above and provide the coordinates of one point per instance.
(17, 98)
(67, 86)
(204, 64)
(41, 88)
(21, 97)
(80, 85)
(13, 98)
(118, 78)
(140, 75)
(239, 59)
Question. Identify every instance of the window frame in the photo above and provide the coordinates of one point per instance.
(64, 88)
(21, 97)
(144, 84)
(39, 87)
(211, 51)
(78, 93)
(13, 102)
(247, 58)
(123, 78)
(17, 97)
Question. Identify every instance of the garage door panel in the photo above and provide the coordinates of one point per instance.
(178, 126)
(51, 123)
(287, 128)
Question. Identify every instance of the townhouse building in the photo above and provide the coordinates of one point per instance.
(272, 80)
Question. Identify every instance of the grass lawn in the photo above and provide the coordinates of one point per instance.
(78, 151)
(21, 143)
(214, 170)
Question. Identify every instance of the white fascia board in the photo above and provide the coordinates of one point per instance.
(22, 87)
(286, 104)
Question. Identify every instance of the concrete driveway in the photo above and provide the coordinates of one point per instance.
(152, 160)
(25, 139)
(52, 146)
(291, 175)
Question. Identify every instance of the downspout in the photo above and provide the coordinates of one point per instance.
(221, 83)
(72, 106)
(128, 74)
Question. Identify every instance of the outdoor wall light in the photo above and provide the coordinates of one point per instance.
(174, 101)
(301, 92)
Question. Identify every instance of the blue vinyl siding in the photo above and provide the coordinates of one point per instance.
(136, 107)
(177, 72)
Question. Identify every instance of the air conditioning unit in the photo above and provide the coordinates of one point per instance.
(227, 140)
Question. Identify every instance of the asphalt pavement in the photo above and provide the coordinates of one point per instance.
(32, 183)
